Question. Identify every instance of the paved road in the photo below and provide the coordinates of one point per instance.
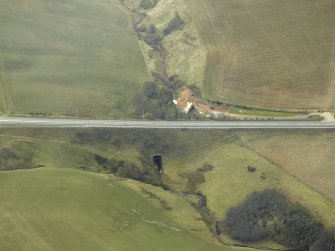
(77, 123)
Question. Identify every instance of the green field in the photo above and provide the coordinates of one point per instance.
(307, 156)
(65, 209)
(267, 53)
(230, 182)
(59, 207)
(68, 58)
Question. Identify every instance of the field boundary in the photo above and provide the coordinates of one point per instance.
(130, 13)
(3, 96)
(329, 102)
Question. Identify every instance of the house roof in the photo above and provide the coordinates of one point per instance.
(186, 97)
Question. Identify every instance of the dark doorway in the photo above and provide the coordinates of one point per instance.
(157, 161)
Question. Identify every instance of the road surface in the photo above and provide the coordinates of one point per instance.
(80, 123)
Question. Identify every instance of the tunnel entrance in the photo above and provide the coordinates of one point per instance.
(157, 161)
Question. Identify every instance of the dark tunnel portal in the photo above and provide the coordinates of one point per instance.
(158, 162)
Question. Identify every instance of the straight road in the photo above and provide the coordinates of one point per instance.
(80, 123)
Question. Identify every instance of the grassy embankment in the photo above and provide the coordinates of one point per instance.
(261, 113)
(59, 207)
(229, 152)
(66, 209)
(69, 58)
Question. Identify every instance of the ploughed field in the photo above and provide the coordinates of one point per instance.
(268, 53)
(68, 58)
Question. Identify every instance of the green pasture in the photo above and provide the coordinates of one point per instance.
(59, 207)
(69, 58)
(308, 156)
(66, 209)
(228, 184)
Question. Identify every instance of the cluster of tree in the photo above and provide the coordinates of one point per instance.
(40, 113)
(270, 215)
(148, 4)
(11, 160)
(175, 24)
(155, 102)
(126, 169)
(326, 242)
(147, 142)
(152, 37)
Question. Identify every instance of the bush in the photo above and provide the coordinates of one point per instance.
(11, 160)
(155, 102)
(150, 89)
(298, 228)
(152, 37)
(326, 242)
(148, 4)
(174, 24)
(251, 169)
(126, 169)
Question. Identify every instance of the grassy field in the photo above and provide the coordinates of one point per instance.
(67, 58)
(309, 157)
(230, 182)
(66, 209)
(268, 54)
(59, 207)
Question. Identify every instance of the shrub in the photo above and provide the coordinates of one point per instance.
(126, 169)
(148, 4)
(326, 242)
(150, 89)
(174, 24)
(11, 159)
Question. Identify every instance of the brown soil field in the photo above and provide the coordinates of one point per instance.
(267, 53)
(308, 156)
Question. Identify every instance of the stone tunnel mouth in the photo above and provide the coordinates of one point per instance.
(157, 161)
